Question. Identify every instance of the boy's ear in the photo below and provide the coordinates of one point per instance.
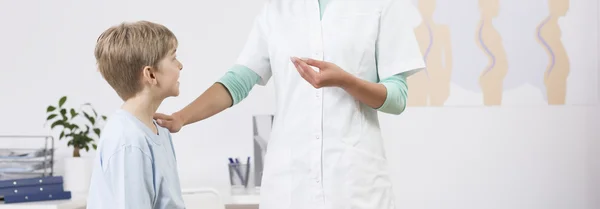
(149, 75)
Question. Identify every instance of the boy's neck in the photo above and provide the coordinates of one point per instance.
(143, 108)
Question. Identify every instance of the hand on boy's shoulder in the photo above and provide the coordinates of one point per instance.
(168, 122)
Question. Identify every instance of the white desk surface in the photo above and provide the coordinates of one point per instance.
(243, 202)
(245, 199)
(77, 201)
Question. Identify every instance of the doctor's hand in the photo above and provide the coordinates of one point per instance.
(171, 122)
(329, 74)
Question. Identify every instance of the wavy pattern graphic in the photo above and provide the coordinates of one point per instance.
(487, 50)
(539, 33)
(429, 46)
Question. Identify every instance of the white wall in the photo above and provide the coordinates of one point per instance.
(496, 157)
(471, 157)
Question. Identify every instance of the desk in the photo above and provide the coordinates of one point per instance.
(77, 201)
(243, 202)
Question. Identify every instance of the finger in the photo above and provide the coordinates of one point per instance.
(305, 71)
(166, 124)
(316, 63)
(300, 70)
(161, 116)
(297, 62)
(312, 74)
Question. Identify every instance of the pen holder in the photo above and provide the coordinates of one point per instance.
(239, 178)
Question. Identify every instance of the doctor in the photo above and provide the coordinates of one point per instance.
(335, 64)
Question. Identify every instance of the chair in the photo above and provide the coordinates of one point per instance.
(202, 198)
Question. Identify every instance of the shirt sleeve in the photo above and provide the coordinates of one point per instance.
(397, 93)
(255, 54)
(397, 47)
(239, 80)
(131, 178)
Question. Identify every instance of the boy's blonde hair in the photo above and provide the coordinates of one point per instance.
(122, 52)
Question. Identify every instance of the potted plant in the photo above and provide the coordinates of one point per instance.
(80, 127)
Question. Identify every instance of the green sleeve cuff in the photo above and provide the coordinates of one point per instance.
(395, 101)
(239, 80)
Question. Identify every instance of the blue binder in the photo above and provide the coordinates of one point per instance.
(31, 189)
(31, 181)
(61, 195)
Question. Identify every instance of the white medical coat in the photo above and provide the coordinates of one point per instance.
(326, 150)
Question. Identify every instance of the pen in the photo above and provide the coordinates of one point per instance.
(230, 174)
(237, 169)
(247, 172)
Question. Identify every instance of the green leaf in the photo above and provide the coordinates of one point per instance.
(95, 113)
(67, 125)
(73, 113)
(50, 117)
(50, 108)
(57, 123)
(95, 146)
(87, 148)
(92, 120)
(103, 117)
(62, 101)
(63, 113)
(62, 134)
(97, 131)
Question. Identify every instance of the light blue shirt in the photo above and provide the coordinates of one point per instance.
(134, 167)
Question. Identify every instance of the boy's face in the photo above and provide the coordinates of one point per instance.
(167, 75)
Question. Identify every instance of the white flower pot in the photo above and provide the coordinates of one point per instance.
(77, 175)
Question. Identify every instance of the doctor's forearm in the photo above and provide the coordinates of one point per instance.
(214, 100)
(369, 93)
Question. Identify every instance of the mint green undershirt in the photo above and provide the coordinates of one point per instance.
(239, 80)
(397, 93)
(322, 5)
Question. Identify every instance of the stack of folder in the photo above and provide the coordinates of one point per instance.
(33, 189)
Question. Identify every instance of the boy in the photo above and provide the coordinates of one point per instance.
(135, 166)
